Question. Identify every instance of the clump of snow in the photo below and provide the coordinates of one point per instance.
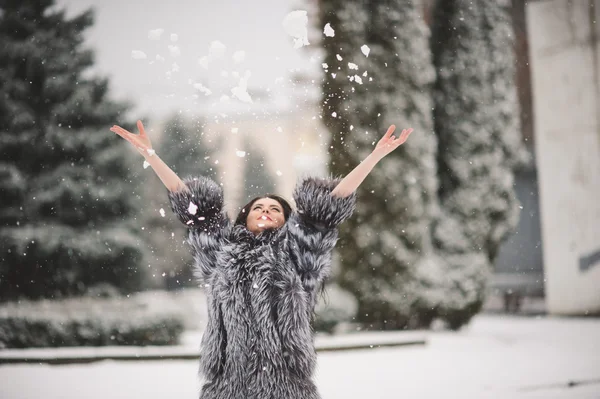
(324, 65)
(216, 50)
(162, 212)
(365, 50)
(240, 154)
(328, 30)
(352, 65)
(294, 24)
(234, 130)
(155, 34)
(339, 57)
(192, 208)
(240, 91)
(138, 55)
(334, 114)
(160, 58)
(146, 164)
(239, 56)
(358, 79)
(203, 62)
(202, 89)
(174, 37)
(174, 50)
(150, 151)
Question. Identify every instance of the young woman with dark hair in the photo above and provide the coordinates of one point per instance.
(261, 273)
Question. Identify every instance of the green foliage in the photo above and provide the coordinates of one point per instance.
(67, 186)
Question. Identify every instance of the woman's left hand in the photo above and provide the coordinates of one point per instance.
(389, 143)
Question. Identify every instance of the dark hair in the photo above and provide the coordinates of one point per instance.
(242, 217)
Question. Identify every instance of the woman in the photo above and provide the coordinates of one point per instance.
(261, 274)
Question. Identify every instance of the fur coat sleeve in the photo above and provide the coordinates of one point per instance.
(200, 208)
(313, 227)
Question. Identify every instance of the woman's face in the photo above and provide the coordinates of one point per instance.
(265, 213)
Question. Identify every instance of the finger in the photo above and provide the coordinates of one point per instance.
(389, 132)
(140, 126)
(120, 129)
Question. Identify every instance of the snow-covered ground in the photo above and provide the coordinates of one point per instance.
(495, 357)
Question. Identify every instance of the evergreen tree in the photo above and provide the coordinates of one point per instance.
(64, 185)
(476, 120)
(384, 245)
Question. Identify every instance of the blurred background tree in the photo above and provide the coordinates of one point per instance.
(67, 189)
(363, 94)
(480, 148)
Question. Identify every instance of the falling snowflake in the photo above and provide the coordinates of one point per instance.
(203, 62)
(279, 173)
(279, 129)
(339, 57)
(202, 89)
(334, 114)
(239, 56)
(328, 30)
(294, 24)
(240, 154)
(358, 79)
(146, 164)
(138, 55)
(155, 34)
(365, 50)
(333, 75)
(365, 74)
(216, 49)
(192, 208)
(240, 91)
(160, 58)
(352, 65)
(162, 212)
(174, 50)
(174, 37)
(324, 65)
(234, 130)
(224, 98)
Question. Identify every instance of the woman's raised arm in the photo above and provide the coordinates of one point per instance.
(387, 144)
(142, 143)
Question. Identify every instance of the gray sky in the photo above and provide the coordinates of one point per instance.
(252, 26)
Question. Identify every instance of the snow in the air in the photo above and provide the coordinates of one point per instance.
(162, 212)
(202, 89)
(328, 30)
(352, 65)
(174, 37)
(234, 130)
(240, 91)
(146, 164)
(339, 57)
(365, 50)
(150, 151)
(174, 50)
(216, 50)
(239, 56)
(138, 55)
(203, 62)
(240, 154)
(324, 65)
(160, 58)
(295, 24)
(358, 79)
(155, 34)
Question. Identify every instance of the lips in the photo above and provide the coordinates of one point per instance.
(260, 217)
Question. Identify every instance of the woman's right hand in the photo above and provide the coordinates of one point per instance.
(140, 141)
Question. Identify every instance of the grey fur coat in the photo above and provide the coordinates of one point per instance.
(261, 290)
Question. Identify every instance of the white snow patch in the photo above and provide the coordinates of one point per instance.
(295, 24)
(192, 208)
(328, 30)
(365, 50)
